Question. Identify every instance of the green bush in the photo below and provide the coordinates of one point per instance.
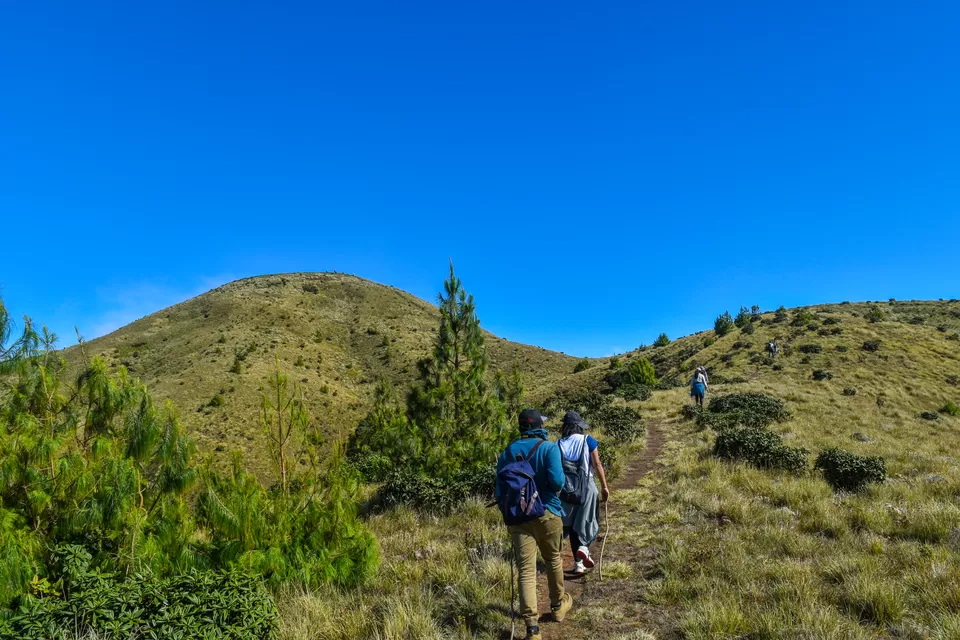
(372, 467)
(196, 604)
(639, 371)
(748, 329)
(436, 494)
(875, 314)
(723, 324)
(582, 365)
(871, 345)
(661, 341)
(842, 348)
(822, 374)
(615, 363)
(612, 460)
(708, 342)
(801, 318)
(759, 447)
(781, 314)
(849, 472)
(750, 409)
(691, 411)
(632, 391)
(217, 401)
(622, 424)
(916, 320)
(930, 415)
(831, 320)
(810, 348)
(950, 409)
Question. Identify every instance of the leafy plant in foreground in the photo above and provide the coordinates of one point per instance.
(195, 604)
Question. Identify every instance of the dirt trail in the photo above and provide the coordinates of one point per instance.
(637, 468)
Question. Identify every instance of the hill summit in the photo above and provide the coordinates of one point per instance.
(335, 334)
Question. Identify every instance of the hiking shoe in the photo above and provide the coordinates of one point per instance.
(559, 613)
(579, 568)
(533, 634)
(583, 555)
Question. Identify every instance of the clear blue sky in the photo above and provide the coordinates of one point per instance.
(599, 172)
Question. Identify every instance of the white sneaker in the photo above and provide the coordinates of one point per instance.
(578, 568)
(583, 557)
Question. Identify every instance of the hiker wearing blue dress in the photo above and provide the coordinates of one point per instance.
(698, 385)
(582, 521)
(544, 533)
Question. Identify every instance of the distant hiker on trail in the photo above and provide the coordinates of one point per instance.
(773, 348)
(579, 494)
(698, 385)
(532, 511)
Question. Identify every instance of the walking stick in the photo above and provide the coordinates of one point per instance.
(513, 585)
(606, 534)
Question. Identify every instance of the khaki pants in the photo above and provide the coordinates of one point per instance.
(546, 534)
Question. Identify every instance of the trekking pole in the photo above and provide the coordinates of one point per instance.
(606, 534)
(513, 585)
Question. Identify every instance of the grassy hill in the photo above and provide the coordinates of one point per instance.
(706, 548)
(698, 548)
(336, 334)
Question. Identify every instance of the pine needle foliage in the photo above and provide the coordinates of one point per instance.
(453, 421)
(305, 528)
(92, 463)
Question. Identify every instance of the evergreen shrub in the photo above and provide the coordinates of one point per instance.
(749, 409)
(846, 471)
(582, 365)
(759, 447)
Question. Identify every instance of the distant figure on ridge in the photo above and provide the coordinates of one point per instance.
(698, 385)
(581, 459)
(532, 511)
(773, 348)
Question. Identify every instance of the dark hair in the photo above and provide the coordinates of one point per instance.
(570, 428)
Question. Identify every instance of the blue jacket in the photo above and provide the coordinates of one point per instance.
(546, 463)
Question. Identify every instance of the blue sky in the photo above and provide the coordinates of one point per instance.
(599, 172)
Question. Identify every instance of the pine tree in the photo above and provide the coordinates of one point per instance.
(462, 422)
(282, 413)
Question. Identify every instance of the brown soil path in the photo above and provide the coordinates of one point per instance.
(637, 468)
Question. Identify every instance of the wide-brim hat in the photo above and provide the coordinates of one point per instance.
(572, 417)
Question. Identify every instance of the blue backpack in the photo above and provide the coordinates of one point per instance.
(519, 499)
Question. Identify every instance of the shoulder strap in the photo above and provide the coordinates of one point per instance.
(518, 457)
(535, 447)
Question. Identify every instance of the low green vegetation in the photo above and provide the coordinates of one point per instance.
(106, 514)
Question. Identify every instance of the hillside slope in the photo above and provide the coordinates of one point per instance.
(336, 334)
(702, 548)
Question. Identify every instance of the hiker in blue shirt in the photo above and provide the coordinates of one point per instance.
(544, 533)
